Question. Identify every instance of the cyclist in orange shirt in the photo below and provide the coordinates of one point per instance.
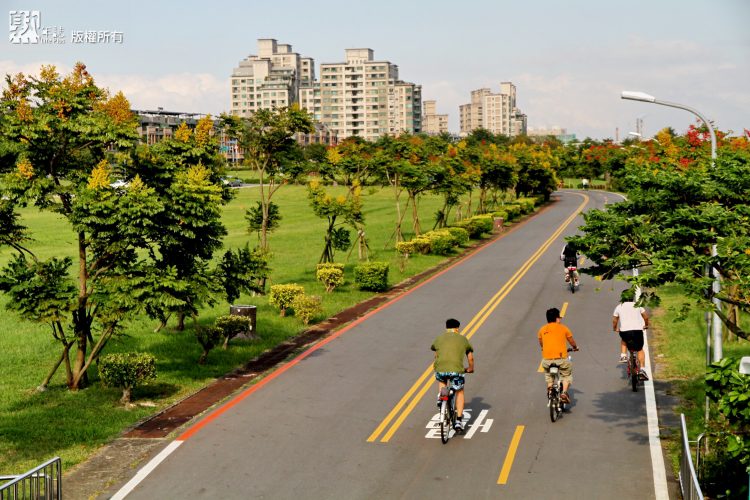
(554, 338)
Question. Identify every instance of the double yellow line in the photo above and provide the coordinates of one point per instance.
(404, 407)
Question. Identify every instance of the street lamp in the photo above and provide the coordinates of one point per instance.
(644, 97)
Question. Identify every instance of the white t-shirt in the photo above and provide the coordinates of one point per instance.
(630, 316)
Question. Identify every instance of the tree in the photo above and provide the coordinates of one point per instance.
(185, 173)
(57, 137)
(338, 211)
(536, 169)
(677, 209)
(266, 137)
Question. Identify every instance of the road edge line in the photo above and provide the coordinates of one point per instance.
(654, 440)
(144, 471)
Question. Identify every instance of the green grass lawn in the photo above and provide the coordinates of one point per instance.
(35, 426)
(680, 347)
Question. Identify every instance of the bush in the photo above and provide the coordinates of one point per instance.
(232, 325)
(406, 247)
(307, 307)
(372, 276)
(282, 296)
(330, 274)
(514, 211)
(208, 338)
(477, 225)
(502, 214)
(441, 242)
(460, 235)
(126, 371)
(526, 204)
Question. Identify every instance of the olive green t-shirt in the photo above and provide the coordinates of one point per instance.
(451, 349)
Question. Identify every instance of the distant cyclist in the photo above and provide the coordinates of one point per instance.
(450, 349)
(630, 321)
(569, 256)
(554, 338)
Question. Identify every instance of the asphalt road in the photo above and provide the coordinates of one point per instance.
(353, 419)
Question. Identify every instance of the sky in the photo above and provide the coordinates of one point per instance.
(569, 60)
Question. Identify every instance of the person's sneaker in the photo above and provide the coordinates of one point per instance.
(576, 283)
(439, 401)
(642, 374)
(565, 398)
(567, 279)
(459, 425)
(623, 358)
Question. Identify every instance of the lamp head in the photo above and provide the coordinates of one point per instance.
(637, 96)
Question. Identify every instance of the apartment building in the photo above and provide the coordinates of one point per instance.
(495, 112)
(433, 123)
(363, 97)
(270, 79)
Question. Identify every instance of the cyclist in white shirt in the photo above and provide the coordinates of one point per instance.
(632, 321)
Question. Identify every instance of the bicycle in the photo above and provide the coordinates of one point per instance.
(554, 402)
(447, 411)
(633, 369)
(572, 281)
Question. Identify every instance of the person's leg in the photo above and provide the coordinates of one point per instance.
(460, 404)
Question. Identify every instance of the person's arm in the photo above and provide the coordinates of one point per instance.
(614, 323)
(571, 340)
(470, 357)
(562, 252)
(644, 315)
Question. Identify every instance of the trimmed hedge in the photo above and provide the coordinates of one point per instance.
(282, 296)
(126, 371)
(460, 235)
(477, 225)
(330, 274)
(372, 276)
(306, 307)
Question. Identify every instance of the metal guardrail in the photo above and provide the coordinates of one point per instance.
(42, 482)
(689, 486)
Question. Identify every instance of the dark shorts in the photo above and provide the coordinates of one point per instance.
(633, 339)
(445, 377)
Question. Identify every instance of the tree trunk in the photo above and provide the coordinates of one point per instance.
(126, 392)
(181, 322)
(415, 215)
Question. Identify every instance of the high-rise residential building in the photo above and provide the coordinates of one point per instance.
(433, 123)
(363, 97)
(496, 113)
(270, 79)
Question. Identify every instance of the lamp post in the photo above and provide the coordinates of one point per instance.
(715, 322)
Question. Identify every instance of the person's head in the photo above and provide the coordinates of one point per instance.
(552, 315)
(627, 295)
(452, 323)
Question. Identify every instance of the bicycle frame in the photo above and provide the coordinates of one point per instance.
(571, 270)
(447, 411)
(634, 369)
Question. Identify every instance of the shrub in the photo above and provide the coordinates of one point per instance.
(126, 371)
(330, 274)
(502, 214)
(208, 338)
(372, 276)
(460, 235)
(232, 325)
(441, 242)
(306, 307)
(513, 211)
(406, 247)
(421, 244)
(485, 222)
(282, 296)
(526, 204)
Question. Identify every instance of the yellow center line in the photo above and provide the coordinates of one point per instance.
(510, 456)
(468, 332)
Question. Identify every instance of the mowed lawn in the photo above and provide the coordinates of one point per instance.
(35, 426)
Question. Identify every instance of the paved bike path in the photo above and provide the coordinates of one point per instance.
(305, 433)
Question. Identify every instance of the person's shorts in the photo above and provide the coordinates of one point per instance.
(565, 366)
(457, 379)
(633, 339)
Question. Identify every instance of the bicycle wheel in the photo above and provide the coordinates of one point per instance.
(633, 369)
(445, 422)
(572, 285)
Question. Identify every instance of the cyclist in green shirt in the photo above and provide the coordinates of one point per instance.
(450, 349)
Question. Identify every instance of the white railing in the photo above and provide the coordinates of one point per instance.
(41, 482)
(689, 486)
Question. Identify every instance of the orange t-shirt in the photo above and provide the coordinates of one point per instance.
(554, 337)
